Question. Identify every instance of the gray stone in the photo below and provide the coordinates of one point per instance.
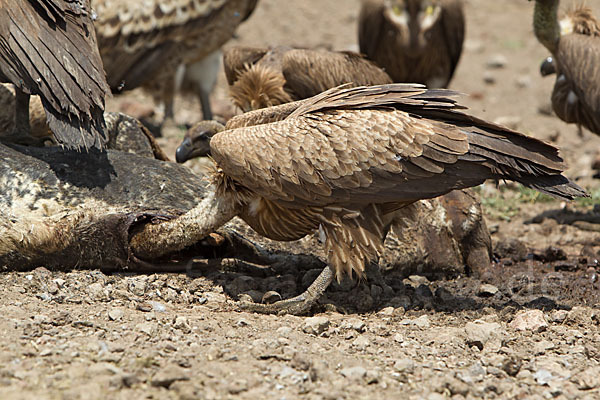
(357, 373)
(115, 314)
(487, 290)
(404, 365)
(529, 320)
(484, 334)
(497, 61)
(182, 324)
(315, 325)
(171, 373)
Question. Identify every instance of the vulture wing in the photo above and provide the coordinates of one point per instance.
(310, 72)
(48, 48)
(579, 60)
(382, 144)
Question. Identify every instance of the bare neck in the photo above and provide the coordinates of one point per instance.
(545, 23)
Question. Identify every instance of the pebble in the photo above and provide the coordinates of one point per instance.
(354, 324)
(479, 333)
(497, 61)
(315, 325)
(115, 314)
(357, 373)
(387, 311)
(158, 307)
(489, 77)
(559, 316)
(487, 290)
(529, 320)
(171, 373)
(284, 331)
(148, 328)
(404, 365)
(416, 280)
(524, 81)
(361, 343)
(543, 376)
(182, 324)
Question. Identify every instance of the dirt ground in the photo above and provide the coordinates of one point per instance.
(527, 327)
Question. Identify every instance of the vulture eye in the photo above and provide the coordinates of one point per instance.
(398, 10)
(429, 10)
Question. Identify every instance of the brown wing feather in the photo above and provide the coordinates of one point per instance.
(578, 57)
(48, 47)
(310, 72)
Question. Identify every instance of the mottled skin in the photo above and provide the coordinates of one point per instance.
(413, 40)
(344, 161)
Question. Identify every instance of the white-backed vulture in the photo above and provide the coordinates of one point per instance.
(261, 78)
(413, 40)
(575, 46)
(48, 48)
(143, 43)
(342, 162)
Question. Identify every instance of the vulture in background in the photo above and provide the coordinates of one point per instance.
(48, 48)
(574, 43)
(413, 40)
(145, 43)
(343, 162)
(260, 78)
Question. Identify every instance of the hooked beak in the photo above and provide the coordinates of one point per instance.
(189, 149)
(548, 67)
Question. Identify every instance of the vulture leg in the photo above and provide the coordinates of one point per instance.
(21, 133)
(298, 305)
(205, 102)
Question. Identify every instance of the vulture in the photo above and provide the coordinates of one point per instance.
(342, 162)
(261, 78)
(575, 46)
(48, 48)
(145, 43)
(416, 41)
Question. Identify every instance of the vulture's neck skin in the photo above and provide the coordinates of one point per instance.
(545, 23)
(212, 212)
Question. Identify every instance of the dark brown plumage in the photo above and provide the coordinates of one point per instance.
(144, 43)
(413, 40)
(48, 47)
(575, 46)
(261, 78)
(344, 160)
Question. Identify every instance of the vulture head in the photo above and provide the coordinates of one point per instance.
(196, 142)
(259, 87)
(414, 19)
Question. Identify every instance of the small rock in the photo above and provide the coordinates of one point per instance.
(487, 290)
(144, 307)
(271, 297)
(543, 376)
(237, 386)
(497, 61)
(361, 343)
(171, 373)
(357, 373)
(416, 281)
(60, 282)
(387, 311)
(315, 325)
(373, 376)
(422, 322)
(242, 322)
(158, 307)
(529, 320)
(542, 346)
(489, 77)
(354, 324)
(398, 338)
(479, 333)
(182, 324)
(524, 81)
(148, 328)
(115, 314)
(559, 316)
(284, 331)
(404, 365)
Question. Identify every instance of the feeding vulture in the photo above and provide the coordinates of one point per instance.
(413, 40)
(261, 78)
(48, 48)
(342, 162)
(144, 43)
(575, 46)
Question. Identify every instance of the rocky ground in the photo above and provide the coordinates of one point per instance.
(526, 327)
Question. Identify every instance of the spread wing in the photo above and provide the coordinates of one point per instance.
(578, 57)
(453, 21)
(310, 72)
(235, 60)
(370, 26)
(391, 143)
(138, 38)
(48, 47)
